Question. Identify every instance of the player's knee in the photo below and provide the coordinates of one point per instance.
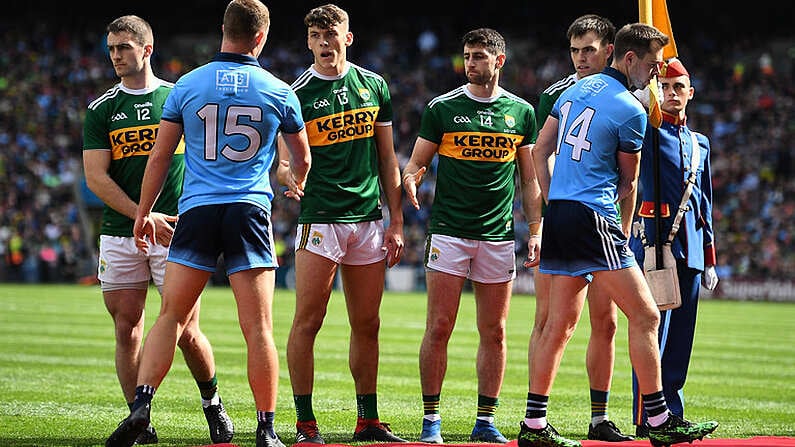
(307, 327)
(493, 334)
(191, 337)
(129, 328)
(604, 328)
(650, 320)
(367, 327)
(439, 329)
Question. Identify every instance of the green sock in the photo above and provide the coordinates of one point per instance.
(367, 406)
(487, 406)
(430, 404)
(208, 388)
(303, 407)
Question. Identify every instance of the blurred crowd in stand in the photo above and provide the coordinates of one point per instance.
(745, 102)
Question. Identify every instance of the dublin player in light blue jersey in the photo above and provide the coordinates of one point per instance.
(230, 111)
(590, 39)
(595, 131)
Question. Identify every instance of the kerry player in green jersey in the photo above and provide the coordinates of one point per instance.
(348, 115)
(481, 133)
(590, 38)
(118, 134)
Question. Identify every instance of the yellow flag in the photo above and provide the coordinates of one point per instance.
(655, 13)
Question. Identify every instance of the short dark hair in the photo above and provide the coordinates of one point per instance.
(486, 37)
(139, 29)
(601, 26)
(245, 18)
(638, 38)
(326, 16)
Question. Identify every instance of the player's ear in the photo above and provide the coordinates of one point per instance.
(609, 50)
(260, 37)
(501, 60)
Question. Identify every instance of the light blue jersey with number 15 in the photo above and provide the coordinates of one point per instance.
(231, 110)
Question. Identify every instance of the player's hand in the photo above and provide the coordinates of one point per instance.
(163, 230)
(143, 232)
(410, 183)
(294, 190)
(393, 245)
(709, 279)
(533, 251)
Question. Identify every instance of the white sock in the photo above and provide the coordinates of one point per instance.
(536, 423)
(596, 420)
(215, 400)
(656, 421)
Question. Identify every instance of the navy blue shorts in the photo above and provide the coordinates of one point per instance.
(577, 241)
(242, 232)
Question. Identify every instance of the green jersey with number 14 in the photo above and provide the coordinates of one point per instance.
(478, 139)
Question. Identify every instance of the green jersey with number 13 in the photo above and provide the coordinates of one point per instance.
(341, 114)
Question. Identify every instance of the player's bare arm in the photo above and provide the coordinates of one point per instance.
(542, 152)
(168, 138)
(389, 176)
(415, 169)
(295, 160)
(628, 169)
(531, 203)
(96, 164)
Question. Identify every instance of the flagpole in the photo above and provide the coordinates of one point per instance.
(646, 15)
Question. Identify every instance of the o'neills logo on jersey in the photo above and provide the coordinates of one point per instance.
(134, 141)
(479, 146)
(346, 126)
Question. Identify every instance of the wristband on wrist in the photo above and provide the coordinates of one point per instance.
(534, 227)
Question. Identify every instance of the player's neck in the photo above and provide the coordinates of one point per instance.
(331, 69)
(139, 81)
(486, 90)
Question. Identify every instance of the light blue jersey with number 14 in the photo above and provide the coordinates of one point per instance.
(597, 117)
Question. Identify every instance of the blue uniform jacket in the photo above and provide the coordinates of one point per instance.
(694, 240)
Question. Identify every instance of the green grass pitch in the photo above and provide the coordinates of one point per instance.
(58, 385)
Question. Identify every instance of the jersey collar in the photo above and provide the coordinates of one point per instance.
(610, 71)
(236, 57)
(317, 74)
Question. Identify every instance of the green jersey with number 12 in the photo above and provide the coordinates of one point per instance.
(125, 122)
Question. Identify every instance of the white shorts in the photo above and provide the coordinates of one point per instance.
(344, 243)
(120, 262)
(487, 262)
